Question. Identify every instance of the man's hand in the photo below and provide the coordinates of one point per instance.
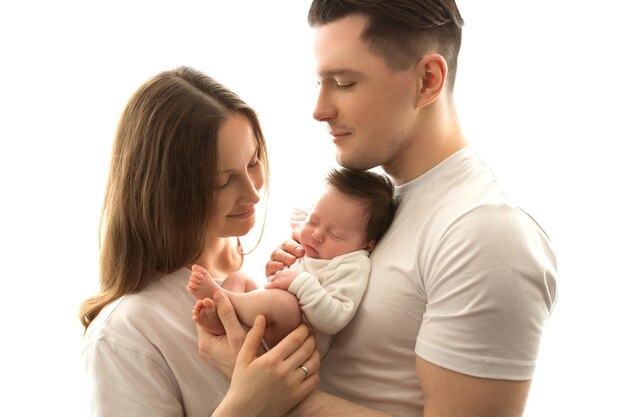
(284, 256)
(290, 250)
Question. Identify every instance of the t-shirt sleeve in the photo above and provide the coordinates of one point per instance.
(490, 287)
(126, 382)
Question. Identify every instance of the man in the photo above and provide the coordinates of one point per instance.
(463, 282)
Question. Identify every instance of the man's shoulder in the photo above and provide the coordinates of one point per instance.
(499, 234)
(492, 219)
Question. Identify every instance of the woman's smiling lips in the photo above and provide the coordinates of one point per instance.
(245, 214)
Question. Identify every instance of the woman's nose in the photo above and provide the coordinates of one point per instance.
(251, 191)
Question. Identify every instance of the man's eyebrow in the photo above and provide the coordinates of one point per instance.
(336, 72)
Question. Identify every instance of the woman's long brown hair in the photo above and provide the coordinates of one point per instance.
(159, 193)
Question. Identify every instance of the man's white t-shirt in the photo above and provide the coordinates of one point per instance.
(462, 278)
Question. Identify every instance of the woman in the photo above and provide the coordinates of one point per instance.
(188, 162)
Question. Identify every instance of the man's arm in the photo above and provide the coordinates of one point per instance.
(452, 394)
(320, 403)
(446, 394)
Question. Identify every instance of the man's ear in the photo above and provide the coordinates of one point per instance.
(432, 71)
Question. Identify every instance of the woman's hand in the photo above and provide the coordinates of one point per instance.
(221, 350)
(274, 383)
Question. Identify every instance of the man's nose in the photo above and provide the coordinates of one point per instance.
(324, 108)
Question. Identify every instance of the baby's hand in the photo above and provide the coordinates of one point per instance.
(282, 279)
(298, 216)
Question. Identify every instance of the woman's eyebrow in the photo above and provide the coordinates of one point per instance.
(229, 170)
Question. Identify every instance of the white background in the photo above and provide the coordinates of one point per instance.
(540, 93)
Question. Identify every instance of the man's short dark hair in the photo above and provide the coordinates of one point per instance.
(401, 31)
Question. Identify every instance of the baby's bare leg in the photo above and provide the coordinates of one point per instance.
(280, 308)
(202, 286)
(239, 282)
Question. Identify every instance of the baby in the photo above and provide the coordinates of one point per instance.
(338, 235)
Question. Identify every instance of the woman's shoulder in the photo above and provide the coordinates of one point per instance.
(120, 320)
(143, 317)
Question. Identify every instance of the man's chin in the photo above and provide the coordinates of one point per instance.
(353, 163)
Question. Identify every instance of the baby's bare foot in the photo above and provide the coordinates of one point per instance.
(205, 314)
(201, 285)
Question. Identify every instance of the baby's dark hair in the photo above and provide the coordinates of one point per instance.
(374, 190)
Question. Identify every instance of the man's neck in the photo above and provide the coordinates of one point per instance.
(438, 135)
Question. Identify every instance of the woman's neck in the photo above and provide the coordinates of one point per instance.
(221, 257)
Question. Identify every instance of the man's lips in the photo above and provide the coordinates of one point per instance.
(338, 133)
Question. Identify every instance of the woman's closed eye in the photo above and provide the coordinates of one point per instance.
(223, 182)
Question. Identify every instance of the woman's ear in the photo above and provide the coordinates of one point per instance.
(432, 71)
